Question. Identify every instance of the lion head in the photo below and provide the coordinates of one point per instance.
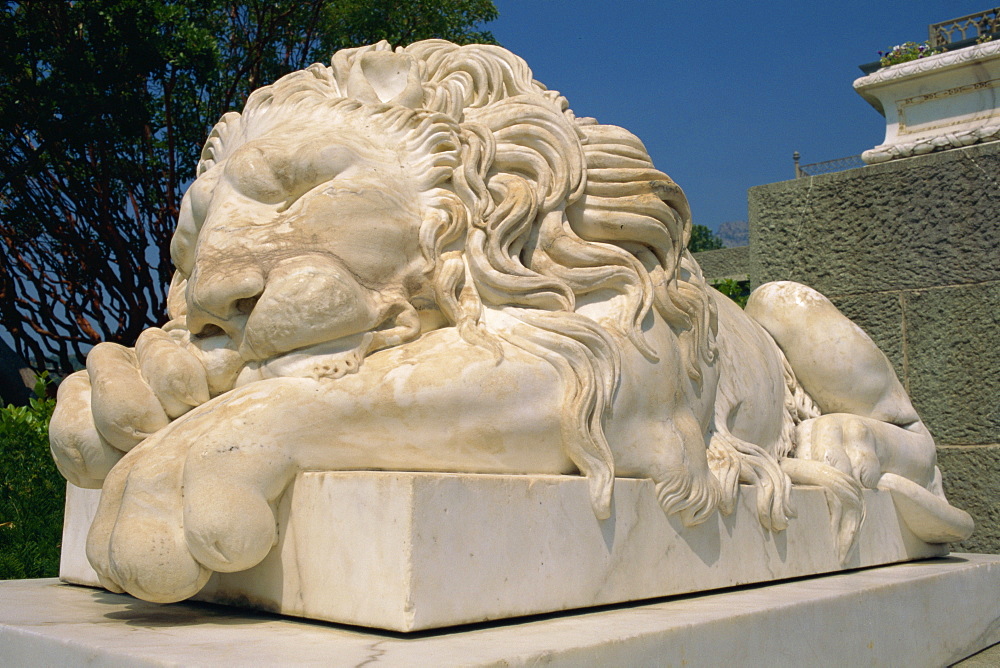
(435, 185)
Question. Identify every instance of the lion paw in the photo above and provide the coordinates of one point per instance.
(124, 396)
(82, 454)
(163, 526)
(845, 442)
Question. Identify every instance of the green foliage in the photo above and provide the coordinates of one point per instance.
(738, 291)
(905, 52)
(104, 107)
(704, 239)
(32, 492)
(355, 22)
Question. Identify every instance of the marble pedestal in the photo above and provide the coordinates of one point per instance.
(412, 551)
(944, 101)
(930, 613)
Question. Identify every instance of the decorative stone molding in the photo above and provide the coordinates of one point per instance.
(932, 104)
(940, 143)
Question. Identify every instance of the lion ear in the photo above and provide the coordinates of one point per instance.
(386, 77)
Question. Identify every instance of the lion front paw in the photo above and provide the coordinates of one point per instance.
(124, 396)
(82, 454)
(846, 442)
(136, 542)
(178, 507)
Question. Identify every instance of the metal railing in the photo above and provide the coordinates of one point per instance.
(964, 27)
(827, 166)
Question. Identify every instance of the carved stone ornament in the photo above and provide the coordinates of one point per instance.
(419, 260)
(945, 101)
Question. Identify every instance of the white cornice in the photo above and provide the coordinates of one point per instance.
(921, 65)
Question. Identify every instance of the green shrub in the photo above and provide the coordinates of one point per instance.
(704, 239)
(32, 492)
(738, 291)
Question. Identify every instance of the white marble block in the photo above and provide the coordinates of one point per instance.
(920, 615)
(936, 103)
(410, 551)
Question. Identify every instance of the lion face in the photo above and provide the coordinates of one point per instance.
(442, 178)
(307, 242)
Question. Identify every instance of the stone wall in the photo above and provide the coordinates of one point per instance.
(725, 263)
(910, 250)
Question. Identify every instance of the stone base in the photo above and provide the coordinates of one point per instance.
(411, 551)
(929, 613)
(941, 102)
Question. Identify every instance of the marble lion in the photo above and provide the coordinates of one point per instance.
(419, 259)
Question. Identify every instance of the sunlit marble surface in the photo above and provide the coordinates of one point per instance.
(453, 549)
(929, 613)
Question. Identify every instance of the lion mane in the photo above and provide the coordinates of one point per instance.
(528, 211)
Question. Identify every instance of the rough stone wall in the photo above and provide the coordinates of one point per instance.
(910, 250)
(725, 263)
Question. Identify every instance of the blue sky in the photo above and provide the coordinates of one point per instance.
(721, 93)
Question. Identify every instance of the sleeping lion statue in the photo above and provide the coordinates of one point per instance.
(419, 259)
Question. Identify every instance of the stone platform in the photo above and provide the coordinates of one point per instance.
(928, 613)
(412, 551)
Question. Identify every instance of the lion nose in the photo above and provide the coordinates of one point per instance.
(222, 297)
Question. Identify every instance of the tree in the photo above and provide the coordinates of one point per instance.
(704, 239)
(104, 106)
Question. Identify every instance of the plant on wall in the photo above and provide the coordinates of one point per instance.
(905, 52)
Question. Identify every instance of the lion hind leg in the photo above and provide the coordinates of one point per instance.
(877, 454)
(843, 498)
(733, 461)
